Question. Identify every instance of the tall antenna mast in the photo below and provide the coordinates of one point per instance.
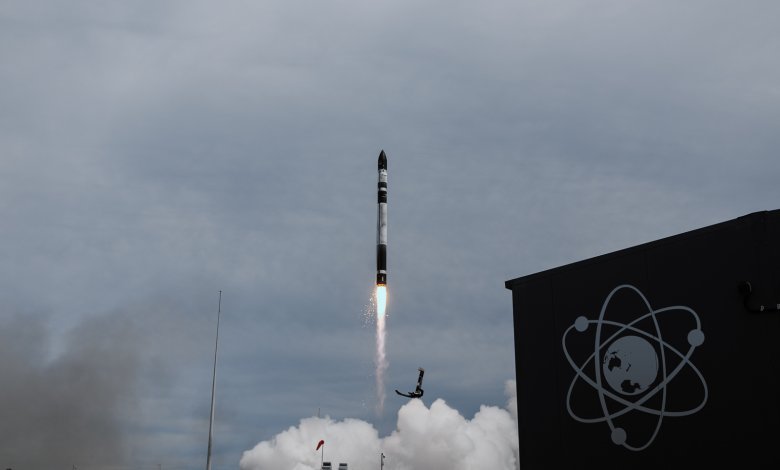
(213, 383)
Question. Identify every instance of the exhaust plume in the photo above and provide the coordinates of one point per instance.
(381, 358)
(438, 437)
(66, 408)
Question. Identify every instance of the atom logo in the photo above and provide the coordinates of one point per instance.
(632, 366)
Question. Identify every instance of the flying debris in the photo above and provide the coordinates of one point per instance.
(418, 392)
(381, 222)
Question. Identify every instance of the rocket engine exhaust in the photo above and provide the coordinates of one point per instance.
(381, 301)
(380, 359)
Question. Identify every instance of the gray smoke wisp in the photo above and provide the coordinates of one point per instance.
(435, 437)
(64, 407)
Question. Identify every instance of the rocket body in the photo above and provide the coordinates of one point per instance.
(381, 222)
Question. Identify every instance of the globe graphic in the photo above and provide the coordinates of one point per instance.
(638, 360)
(630, 365)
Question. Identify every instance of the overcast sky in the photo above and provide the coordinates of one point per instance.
(153, 153)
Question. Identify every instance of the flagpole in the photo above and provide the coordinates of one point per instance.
(213, 383)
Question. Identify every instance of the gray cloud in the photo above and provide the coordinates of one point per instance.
(156, 152)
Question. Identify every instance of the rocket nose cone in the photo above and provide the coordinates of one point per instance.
(382, 160)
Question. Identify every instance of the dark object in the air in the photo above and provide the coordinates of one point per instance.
(418, 392)
(663, 355)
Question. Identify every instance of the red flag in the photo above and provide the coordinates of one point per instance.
(320, 444)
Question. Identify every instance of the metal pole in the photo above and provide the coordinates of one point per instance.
(213, 384)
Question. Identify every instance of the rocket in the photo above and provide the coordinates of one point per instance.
(381, 222)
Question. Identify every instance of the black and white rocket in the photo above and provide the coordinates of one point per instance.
(381, 222)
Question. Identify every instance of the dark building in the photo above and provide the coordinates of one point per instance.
(665, 355)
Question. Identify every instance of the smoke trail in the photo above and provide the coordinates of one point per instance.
(70, 407)
(381, 359)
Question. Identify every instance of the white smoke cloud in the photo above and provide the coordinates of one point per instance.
(425, 438)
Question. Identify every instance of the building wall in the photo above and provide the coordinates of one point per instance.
(648, 357)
